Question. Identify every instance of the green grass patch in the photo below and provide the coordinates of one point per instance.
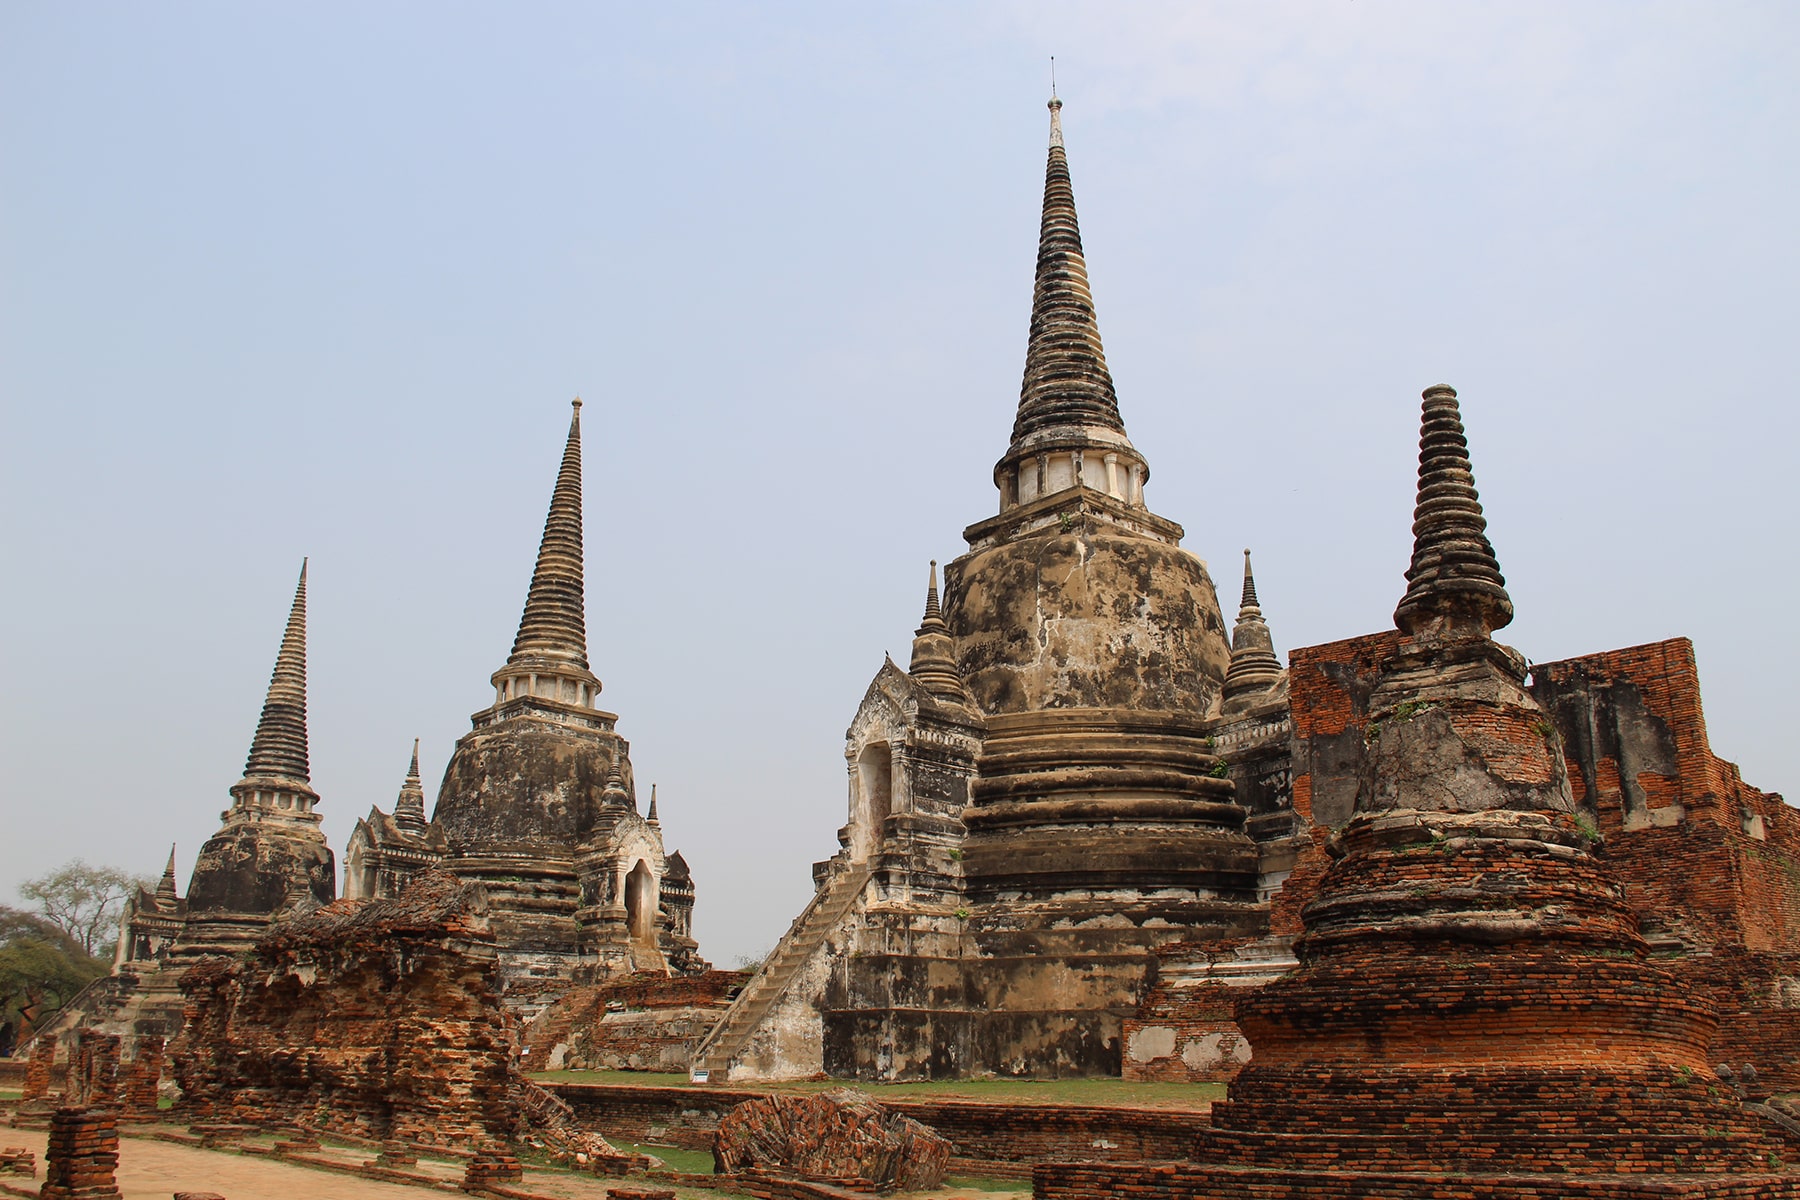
(6, 1095)
(1111, 1093)
(689, 1162)
(981, 1183)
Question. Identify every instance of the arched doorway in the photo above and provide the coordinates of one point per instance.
(640, 905)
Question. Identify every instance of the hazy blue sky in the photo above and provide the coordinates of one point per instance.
(321, 279)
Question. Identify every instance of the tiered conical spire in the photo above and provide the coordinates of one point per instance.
(278, 751)
(165, 888)
(1254, 665)
(554, 626)
(409, 809)
(1454, 588)
(934, 652)
(1248, 598)
(1066, 380)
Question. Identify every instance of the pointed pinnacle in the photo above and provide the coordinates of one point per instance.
(409, 807)
(1248, 600)
(554, 624)
(651, 815)
(933, 663)
(279, 748)
(1066, 380)
(1255, 667)
(1453, 586)
(165, 888)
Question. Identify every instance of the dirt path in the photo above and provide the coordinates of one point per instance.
(155, 1170)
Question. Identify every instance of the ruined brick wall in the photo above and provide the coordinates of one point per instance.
(94, 1073)
(138, 1096)
(1328, 689)
(39, 1068)
(1710, 864)
(1180, 1181)
(1703, 855)
(987, 1139)
(1007, 1139)
(1184, 1031)
(663, 1116)
(378, 1019)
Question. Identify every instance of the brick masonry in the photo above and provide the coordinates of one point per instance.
(988, 1139)
(82, 1156)
(378, 1019)
(1163, 1181)
(1710, 865)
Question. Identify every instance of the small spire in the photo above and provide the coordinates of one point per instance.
(1248, 599)
(279, 749)
(934, 651)
(409, 809)
(651, 815)
(1454, 588)
(165, 888)
(554, 625)
(1255, 668)
(1066, 380)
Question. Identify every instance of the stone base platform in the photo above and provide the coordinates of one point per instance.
(1189, 1181)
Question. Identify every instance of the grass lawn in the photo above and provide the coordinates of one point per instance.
(690, 1162)
(6, 1095)
(980, 1183)
(1106, 1092)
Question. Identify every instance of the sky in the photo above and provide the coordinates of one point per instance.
(320, 280)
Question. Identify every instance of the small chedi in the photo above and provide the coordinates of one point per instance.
(539, 804)
(1474, 996)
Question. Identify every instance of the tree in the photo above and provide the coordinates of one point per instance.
(84, 902)
(41, 969)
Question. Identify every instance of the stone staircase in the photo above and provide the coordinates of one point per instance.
(828, 907)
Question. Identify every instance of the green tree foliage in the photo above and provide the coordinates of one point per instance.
(49, 955)
(84, 902)
(41, 969)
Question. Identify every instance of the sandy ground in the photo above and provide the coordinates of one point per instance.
(156, 1170)
(152, 1170)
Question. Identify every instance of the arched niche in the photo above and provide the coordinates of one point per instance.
(874, 797)
(640, 905)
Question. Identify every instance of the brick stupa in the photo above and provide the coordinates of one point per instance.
(1474, 1007)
